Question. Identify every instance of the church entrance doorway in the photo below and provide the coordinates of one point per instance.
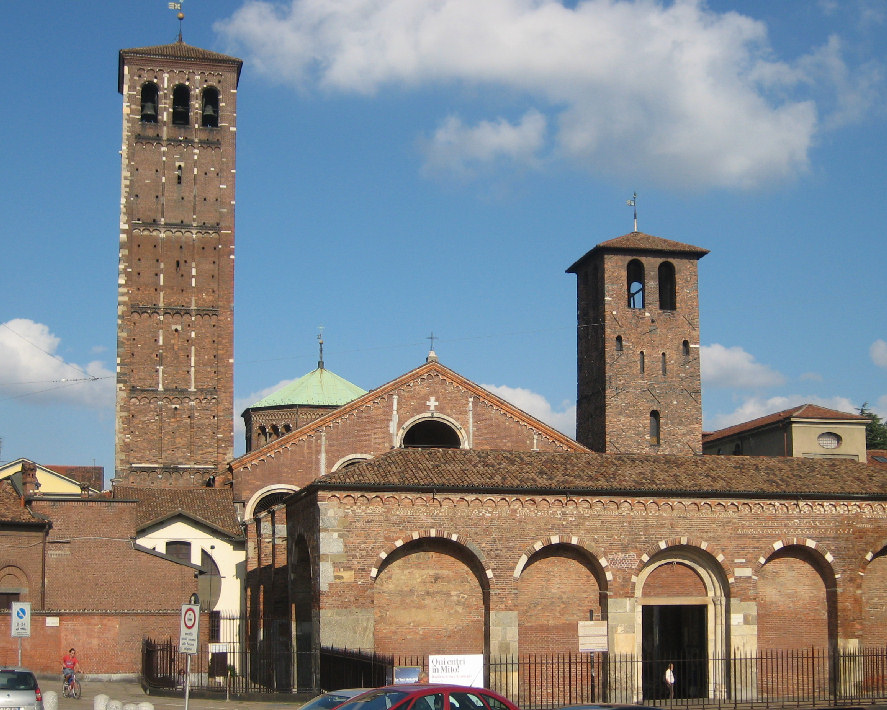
(678, 634)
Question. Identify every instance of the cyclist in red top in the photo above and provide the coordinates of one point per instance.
(70, 664)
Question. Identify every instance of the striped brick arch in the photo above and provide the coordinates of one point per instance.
(432, 533)
(686, 543)
(572, 540)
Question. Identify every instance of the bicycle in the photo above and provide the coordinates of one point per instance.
(71, 687)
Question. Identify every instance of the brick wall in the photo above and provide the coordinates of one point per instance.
(618, 537)
(874, 606)
(106, 643)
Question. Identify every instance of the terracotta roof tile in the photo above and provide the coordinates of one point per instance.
(11, 508)
(449, 469)
(877, 457)
(804, 411)
(638, 241)
(212, 506)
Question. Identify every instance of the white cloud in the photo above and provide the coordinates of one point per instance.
(755, 407)
(878, 353)
(241, 403)
(33, 373)
(536, 405)
(459, 149)
(682, 93)
(733, 367)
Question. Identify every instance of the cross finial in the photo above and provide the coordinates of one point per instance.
(432, 356)
(633, 202)
(320, 342)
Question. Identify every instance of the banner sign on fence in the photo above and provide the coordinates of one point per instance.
(592, 636)
(459, 670)
(21, 619)
(406, 674)
(189, 631)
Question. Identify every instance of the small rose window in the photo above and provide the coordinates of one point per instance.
(829, 440)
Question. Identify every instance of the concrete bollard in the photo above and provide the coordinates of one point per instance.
(114, 705)
(50, 700)
(130, 706)
(100, 702)
(144, 705)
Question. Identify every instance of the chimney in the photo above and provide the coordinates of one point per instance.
(29, 479)
(84, 490)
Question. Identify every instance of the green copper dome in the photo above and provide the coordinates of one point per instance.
(318, 388)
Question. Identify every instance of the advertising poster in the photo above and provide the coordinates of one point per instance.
(459, 670)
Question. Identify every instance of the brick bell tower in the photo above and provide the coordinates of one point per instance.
(639, 388)
(175, 329)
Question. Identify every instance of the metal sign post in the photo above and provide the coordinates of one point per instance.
(20, 615)
(189, 638)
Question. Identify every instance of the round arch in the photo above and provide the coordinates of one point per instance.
(349, 460)
(262, 493)
(430, 417)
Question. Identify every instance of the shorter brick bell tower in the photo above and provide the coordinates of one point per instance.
(639, 388)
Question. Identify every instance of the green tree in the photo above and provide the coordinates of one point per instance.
(875, 430)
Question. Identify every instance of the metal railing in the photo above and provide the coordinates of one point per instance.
(797, 678)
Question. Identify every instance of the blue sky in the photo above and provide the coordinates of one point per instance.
(409, 166)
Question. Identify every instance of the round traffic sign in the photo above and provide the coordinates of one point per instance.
(190, 618)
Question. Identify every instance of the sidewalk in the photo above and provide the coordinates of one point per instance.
(131, 692)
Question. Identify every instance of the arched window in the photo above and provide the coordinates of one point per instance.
(181, 105)
(668, 299)
(641, 364)
(654, 428)
(618, 343)
(209, 111)
(179, 550)
(663, 364)
(635, 284)
(431, 434)
(149, 103)
(685, 348)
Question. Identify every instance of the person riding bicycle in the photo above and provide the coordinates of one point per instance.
(70, 665)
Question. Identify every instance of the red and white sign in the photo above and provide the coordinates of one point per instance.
(189, 633)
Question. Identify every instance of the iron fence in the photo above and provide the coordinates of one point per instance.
(802, 678)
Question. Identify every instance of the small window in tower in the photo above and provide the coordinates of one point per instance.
(829, 440)
(664, 367)
(618, 343)
(667, 287)
(149, 103)
(181, 105)
(179, 169)
(641, 362)
(635, 284)
(685, 348)
(654, 428)
(209, 115)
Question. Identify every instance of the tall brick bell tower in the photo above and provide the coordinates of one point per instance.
(175, 331)
(639, 388)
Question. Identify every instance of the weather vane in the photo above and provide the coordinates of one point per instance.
(320, 342)
(633, 202)
(177, 6)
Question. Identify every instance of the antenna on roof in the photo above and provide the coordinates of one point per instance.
(320, 341)
(432, 356)
(633, 202)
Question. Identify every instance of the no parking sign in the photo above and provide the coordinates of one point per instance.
(188, 633)
(21, 619)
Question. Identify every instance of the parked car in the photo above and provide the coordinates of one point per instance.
(328, 701)
(428, 696)
(19, 689)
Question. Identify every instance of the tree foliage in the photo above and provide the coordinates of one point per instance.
(875, 430)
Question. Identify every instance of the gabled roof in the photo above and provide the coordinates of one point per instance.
(213, 507)
(176, 50)
(804, 412)
(638, 241)
(522, 472)
(319, 388)
(431, 367)
(12, 510)
(877, 457)
(52, 482)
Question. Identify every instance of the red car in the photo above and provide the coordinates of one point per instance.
(428, 696)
